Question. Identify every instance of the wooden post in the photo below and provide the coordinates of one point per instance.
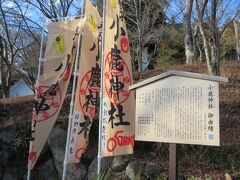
(173, 162)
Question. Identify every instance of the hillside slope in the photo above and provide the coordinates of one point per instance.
(197, 161)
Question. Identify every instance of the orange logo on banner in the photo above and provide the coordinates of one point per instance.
(119, 140)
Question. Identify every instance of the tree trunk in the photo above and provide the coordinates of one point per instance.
(211, 43)
(6, 82)
(236, 24)
(201, 53)
(188, 39)
(198, 50)
(206, 48)
(215, 47)
(215, 59)
(5, 87)
(140, 53)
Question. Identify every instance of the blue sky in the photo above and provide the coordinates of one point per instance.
(35, 14)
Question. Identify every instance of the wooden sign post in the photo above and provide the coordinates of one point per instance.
(178, 107)
(173, 161)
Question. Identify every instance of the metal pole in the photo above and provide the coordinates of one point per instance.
(33, 126)
(173, 162)
(72, 101)
(71, 109)
(101, 91)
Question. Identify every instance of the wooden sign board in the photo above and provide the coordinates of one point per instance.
(178, 107)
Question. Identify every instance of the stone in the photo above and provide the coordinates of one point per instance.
(134, 169)
(48, 170)
(7, 135)
(1, 171)
(57, 143)
(119, 163)
(92, 170)
(89, 155)
(151, 171)
(119, 175)
(6, 144)
(10, 174)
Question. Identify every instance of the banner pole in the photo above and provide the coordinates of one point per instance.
(72, 100)
(101, 91)
(38, 75)
(71, 108)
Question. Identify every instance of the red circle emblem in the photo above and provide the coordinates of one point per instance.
(47, 102)
(117, 80)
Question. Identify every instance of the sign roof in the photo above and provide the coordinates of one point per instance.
(179, 73)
